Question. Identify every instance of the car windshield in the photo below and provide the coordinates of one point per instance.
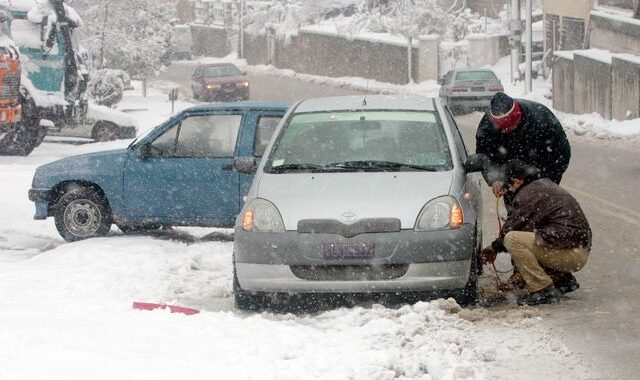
(220, 71)
(475, 75)
(367, 140)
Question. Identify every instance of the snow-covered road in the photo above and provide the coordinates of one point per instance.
(65, 312)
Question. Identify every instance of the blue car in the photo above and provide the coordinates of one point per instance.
(186, 172)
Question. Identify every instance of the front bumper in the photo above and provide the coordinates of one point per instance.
(433, 260)
(41, 197)
(239, 93)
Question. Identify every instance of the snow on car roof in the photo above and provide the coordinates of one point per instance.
(368, 102)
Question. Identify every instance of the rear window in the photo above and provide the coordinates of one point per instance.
(476, 75)
(405, 137)
(221, 71)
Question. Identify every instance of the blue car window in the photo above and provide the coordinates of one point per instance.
(164, 145)
(208, 136)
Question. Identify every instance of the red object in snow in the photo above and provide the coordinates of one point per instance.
(173, 308)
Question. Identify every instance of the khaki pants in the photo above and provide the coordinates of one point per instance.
(530, 259)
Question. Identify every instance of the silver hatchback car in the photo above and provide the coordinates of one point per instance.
(360, 195)
(467, 90)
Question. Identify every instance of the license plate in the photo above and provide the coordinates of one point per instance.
(348, 250)
(477, 89)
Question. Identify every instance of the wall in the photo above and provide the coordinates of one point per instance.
(209, 41)
(486, 50)
(616, 34)
(568, 8)
(592, 85)
(625, 78)
(563, 76)
(336, 56)
(493, 7)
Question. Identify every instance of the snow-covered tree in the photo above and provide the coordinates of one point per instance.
(131, 35)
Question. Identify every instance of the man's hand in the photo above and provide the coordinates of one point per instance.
(497, 189)
(488, 255)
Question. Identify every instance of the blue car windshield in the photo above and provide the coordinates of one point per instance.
(400, 140)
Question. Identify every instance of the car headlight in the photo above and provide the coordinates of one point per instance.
(440, 213)
(262, 216)
(211, 86)
(242, 84)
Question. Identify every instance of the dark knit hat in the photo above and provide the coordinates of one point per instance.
(516, 169)
(501, 104)
(505, 112)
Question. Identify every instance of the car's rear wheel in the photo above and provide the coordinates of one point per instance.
(105, 131)
(81, 214)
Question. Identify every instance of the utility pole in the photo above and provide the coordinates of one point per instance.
(515, 28)
(241, 44)
(528, 41)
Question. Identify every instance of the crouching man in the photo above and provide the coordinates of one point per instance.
(546, 234)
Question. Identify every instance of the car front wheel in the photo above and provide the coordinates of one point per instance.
(81, 214)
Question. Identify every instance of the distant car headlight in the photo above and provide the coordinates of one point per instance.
(210, 86)
(440, 213)
(262, 216)
(242, 84)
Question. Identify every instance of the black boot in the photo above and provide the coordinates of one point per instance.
(547, 295)
(566, 283)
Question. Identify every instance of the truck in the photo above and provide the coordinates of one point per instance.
(44, 79)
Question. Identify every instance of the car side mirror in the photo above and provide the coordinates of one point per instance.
(144, 151)
(441, 82)
(245, 165)
(476, 163)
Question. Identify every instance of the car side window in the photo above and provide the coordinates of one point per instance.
(457, 137)
(264, 130)
(448, 78)
(208, 136)
(164, 145)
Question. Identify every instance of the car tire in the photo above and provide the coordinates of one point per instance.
(82, 214)
(246, 300)
(468, 295)
(21, 141)
(130, 229)
(105, 131)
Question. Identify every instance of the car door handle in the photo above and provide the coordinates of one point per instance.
(227, 167)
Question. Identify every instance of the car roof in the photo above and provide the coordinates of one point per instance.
(462, 70)
(216, 64)
(240, 106)
(367, 102)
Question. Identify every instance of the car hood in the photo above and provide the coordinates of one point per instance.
(231, 79)
(95, 167)
(349, 197)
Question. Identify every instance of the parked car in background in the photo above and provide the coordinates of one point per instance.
(180, 173)
(220, 82)
(467, 90)
(360, 195)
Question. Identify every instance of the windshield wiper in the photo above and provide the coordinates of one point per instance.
(304, 167)
(383, 165)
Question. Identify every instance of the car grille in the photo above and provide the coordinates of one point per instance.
(329, 226)
(349, 272)
(11, 86)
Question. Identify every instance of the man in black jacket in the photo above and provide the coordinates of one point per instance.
(516, 129)
(545, 232)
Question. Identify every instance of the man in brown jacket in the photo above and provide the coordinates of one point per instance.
(545, 233)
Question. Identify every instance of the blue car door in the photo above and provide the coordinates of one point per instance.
(260, 127)
(187, 177)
